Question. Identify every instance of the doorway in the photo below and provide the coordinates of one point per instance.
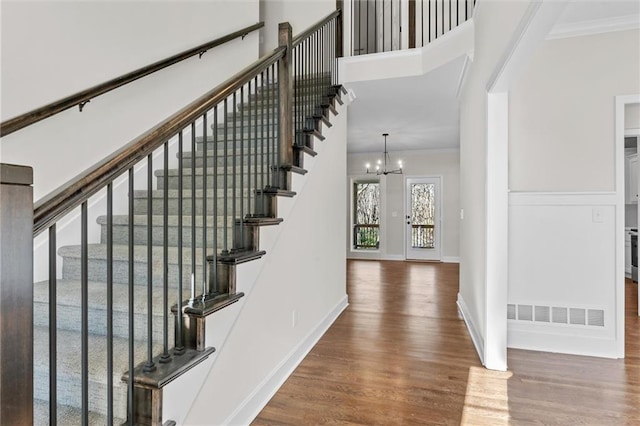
(423, 229)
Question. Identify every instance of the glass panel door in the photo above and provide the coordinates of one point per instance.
(423, 218)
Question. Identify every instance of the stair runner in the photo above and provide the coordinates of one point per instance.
(69, 290)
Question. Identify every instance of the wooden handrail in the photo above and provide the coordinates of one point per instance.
(92, 180)
(9, 126)
(303, 35)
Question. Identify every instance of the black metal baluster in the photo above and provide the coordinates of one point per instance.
(359, 27)
(457, 12)
(149, 365)
(204, 204)
(110, 303)
(234, 160)
(375, 25)
(241, 198)
(449, 1)
(130, 399)
(442, 16)
(255, 140)
(268, 119)
(53, 327)
(367, 27)
(225, 179)
(84, 290)
(179, 349)
(192, 284)
(214, 264)
(384, 24)
(249, 146)
(429, 21)
(165, 257)
(276, 144)
(267, 94)
(422, 22)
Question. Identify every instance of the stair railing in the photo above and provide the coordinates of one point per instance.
(377, 26)
(80, 99)
(178, 238)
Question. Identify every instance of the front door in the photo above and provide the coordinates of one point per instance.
(422, 213)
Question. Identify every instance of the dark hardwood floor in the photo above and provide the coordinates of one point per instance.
(400, 355)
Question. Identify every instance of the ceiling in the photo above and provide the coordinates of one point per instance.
(418, 112)
(422, 112)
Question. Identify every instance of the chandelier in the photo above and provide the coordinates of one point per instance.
(381, 165)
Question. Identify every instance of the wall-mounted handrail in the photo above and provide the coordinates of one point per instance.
(80, 188)
(81, 98)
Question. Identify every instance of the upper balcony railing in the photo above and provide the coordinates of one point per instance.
(388, 25)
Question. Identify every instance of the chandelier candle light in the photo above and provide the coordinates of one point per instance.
(382, 169)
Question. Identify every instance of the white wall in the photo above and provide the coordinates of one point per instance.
(445, 163)
(51, 49)
(304, 271)
(562, 112)
(563, 218)
(494, 23)
(301, 14)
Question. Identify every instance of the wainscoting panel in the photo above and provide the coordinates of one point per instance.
(562, 272)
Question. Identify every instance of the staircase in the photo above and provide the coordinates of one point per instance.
(201, 183)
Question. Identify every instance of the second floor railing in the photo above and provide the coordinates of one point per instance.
(388, 25)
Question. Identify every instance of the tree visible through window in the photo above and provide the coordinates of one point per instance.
(366, 198)
(423, 212)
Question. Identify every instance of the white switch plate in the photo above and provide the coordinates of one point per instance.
(597, 215)
(461, 214)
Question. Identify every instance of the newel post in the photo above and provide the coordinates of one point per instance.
(285, 81)
(16, 295)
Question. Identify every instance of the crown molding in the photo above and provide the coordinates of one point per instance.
(596, 26)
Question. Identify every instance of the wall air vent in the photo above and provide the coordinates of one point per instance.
(577, 316)
(559, 315)
(595, 317)
(556, 315)
(542, 313)
(525, 312)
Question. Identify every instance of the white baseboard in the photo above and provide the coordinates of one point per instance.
(247, 411)
(476, 337)
(562, 343)
(374, 256)
(450, 259)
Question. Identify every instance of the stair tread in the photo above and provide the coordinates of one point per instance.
(67, 415)
(69, 356)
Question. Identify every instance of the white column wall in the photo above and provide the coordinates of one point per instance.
(494, 23)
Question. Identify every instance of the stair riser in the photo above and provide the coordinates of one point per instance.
(98, 271)
(69, 392)
(121, 235)
(68, 318)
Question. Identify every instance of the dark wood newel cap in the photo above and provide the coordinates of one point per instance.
(13, 174)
